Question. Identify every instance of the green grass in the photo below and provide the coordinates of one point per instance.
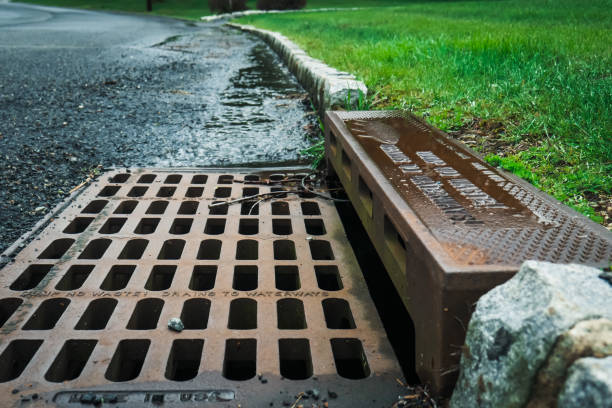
(531, 78)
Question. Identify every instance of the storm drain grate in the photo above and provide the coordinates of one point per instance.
(271, 297)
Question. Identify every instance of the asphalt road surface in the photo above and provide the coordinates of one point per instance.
(79, 89)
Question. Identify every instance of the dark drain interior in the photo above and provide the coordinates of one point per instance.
(240, 359)
(127, 360)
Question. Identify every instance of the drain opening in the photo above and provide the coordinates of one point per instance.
(184, 359)
(214, 226)
(146, 314)
(295, 358)
(134, 249)
(350, 359)
(95, 249)
(280, 208)
(195, 314)
(188, 208)
(218, 209)
(120, 178)
(126, 207)
(284, 249)
(112, 225)
(282, 227)
(247, 249)
(251, 177)
(223, 192)
(78, 225)
(338, 314)
(279, 195)
(109, 191)
(277, 177)
(245, 277)
(181, 226)
(210, 249)
(290, 314)
(310, 208)
(16, 358)
(193, 192)
(127, 360)
(47, 314)
(249, 207)
(173, 179)
(199, 179)
(242, 314)
(203, 277)
(161, 277)
(166, 191)
(321, 250)
(75, 277)
(138, 191)
(225, 179)
(71, 360)
(7, 308)
(118, 277)
(97, 314)
(146, 226)
(328, 277)
(239, 363)
(146, 178)
(56, 249)
(94, 207)
(248, 226)
(172, 249)
(250, 191)
(31, 277)
(157, 207)
(314, 226)
(287, 277)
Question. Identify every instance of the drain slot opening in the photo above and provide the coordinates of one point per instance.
(146, 314)
(94, 207)
(249, 207)
(97, 314)
(195, 314)
(314, 226)
(245, 277)
(161, 277)
(184, 359)
(147, 226)
(290, 314)
(112, 225)
(242, 314)
(295, 358)
(78, 225)
(338, 314)
(47, 314)
(215, 226)
(350, 359)
(248, 227)
(157, 207)
(280, 208)
(310, 208)
(7, 308)
(56, 249)
(203, 277)
(240, 359)
(287, 277)
(328, 277)
(95, 249)
(31, 277)
(134, 249)
(127, 360)
(282, 227)
(188, 208)
(71, 360)
(16, 358)
(321, 250)
(209, 249)
(247, 249)
(172, 249)
(284, 250)
(118, 277)
(126, 207)
(75, 277)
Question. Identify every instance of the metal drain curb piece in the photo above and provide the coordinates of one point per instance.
(272, 300)
(447, 226)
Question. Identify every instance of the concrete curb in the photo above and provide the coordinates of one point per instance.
(236, 14)
(327, 86)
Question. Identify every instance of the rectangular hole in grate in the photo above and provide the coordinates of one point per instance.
(333, 143)
(7, 308)
(315, 226)
(120, 178)
(250, 207)
(94, 207)
(209, 249)
(127, 360)
(346, 164)
(365, 195)
(146, 314)
(173, 179)
(350, 358)
(338, 314)
(280, 208)
(75, 277)
(290, 313)
(284, 249)
(195, 314)
(247, 249)
(395, 243)
(161, 277)
(181, 226)
(31, 277)
(279, 191)
(203, 277)
(146, 178)
(95, 249)
(157, 207)
(97, 314)
(295, 358)
(199, 179)
(193, 192)
(321, 250)
(71, 360)
(225, 179)
(277, 177)
(251, 177)
(250, 191)
(245, 277)
(219, 209)
(282, 226)
(239, 363)
(134, 249)
(328, 277)
(310, 208)
(78, 225)
(47, 314)
(242, 314)
(118, 277)
(137, 191)
(287, 277)
(146, 226)
(112, 226)
(172, 249)
(184, 359)
(223, 192)
(188, 208)
(56, 249)
(249, 226)
(109, 191)
(166, 191)
(16, 357)
(126, 207)
(214, 226)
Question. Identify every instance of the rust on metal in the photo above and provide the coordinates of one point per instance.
(447, 225)
(269, 294)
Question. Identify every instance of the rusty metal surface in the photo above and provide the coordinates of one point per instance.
(273, 302)
(447, 225)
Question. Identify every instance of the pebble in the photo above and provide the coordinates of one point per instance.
(176, 324)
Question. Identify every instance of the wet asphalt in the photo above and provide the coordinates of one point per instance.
(82, 89)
